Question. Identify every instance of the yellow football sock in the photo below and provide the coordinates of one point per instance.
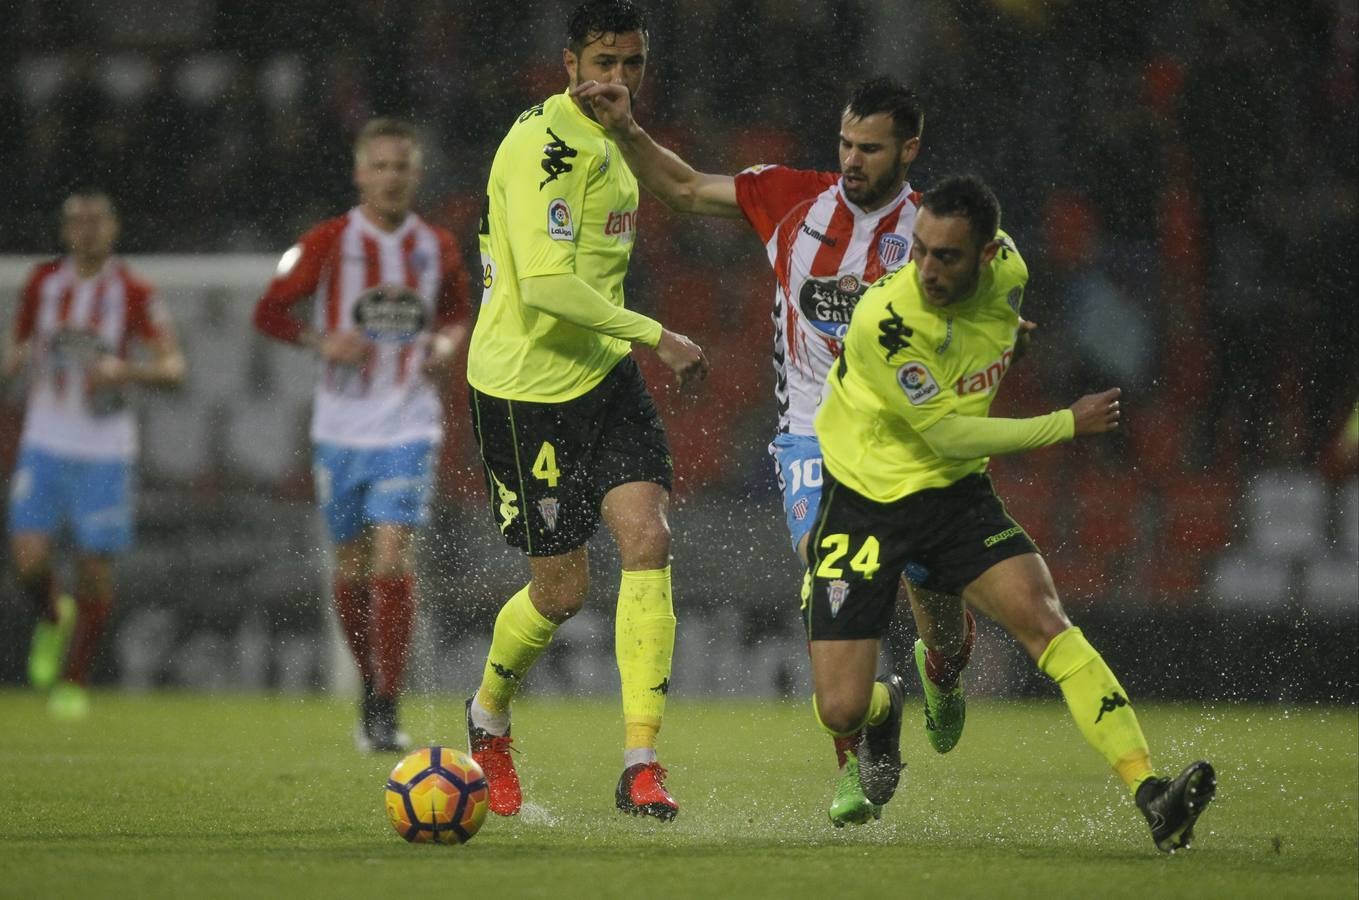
(521, 635)
(644, 643)
(879, 706)
(1099, 705)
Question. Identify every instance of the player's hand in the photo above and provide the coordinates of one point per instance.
(612, 104)
(439, 353)
(1022, 339)
(683, 356)
(348, 348)
(1097, 413)
(108, 371)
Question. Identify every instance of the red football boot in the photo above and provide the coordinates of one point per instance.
(641, 791)
(492, 753)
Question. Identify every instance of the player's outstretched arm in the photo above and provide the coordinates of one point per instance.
(676, 183)
(972, 437)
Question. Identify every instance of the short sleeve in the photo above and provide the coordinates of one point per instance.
(767, 193)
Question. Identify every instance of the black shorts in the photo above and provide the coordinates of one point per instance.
(944, 538)
(549, 465)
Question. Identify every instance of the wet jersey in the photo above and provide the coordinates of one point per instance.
(397, 288)
(560, 200)
(70, 322)
(908, 363)
(825, 252)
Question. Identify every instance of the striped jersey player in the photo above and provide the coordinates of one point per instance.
(828, 235)
(86, 329)
(387, 293)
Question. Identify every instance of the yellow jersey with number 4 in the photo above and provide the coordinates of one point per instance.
(560, 200)
(905, 365)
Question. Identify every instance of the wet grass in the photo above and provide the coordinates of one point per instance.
(233, 796)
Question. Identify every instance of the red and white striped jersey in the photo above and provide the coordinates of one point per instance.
(825, 252)
(397, 288)
(69, 322)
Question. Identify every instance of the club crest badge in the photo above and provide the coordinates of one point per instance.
(548, 507)
(837, 592)
(891, 249)
(1015, 298)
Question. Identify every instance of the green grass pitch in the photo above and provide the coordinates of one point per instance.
(171, 795)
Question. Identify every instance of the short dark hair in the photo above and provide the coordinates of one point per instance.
(884, 94)
(593, 20)
(969, 197)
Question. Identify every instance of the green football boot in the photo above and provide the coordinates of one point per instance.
(945, 711)
(849, 805)
(68, 701)
(48, 649)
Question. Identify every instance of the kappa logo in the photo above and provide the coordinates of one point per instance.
(559, 226)
(917, 382)
(892, 249)
(504, 672)
(894, 333)
(1109, 704)
(548, 507)
(837, 592)
(508, 509)
(663, 688)
(555, 155)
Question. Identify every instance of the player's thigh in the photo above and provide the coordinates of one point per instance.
(856, 553)
(102, 498)
(398, 484)
(964, 530)
(1018, 594)
(337, 479)
(630, 444)
(537, 460)
(798, 465)
(37, 499)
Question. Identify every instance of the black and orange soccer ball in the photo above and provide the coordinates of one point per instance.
(437, 795)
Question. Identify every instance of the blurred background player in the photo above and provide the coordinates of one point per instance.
(566, 428)
(86, 329)
(906, 433)
(388, 292)
(828, 236)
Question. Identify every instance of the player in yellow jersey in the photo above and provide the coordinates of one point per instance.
(905, 435)
(567, 431)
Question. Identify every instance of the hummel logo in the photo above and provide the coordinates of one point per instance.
(1109, 704)
(663, 688)
(505, 672)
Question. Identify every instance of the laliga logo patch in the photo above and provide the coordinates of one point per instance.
(891, 249)
(837, 592)
(917, 382)
(559, 226)
(418, 261)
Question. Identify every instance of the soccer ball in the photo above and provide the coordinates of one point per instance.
(437, 795)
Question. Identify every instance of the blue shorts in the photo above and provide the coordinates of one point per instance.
(93, 497)
(357, 487)
(797, 463)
